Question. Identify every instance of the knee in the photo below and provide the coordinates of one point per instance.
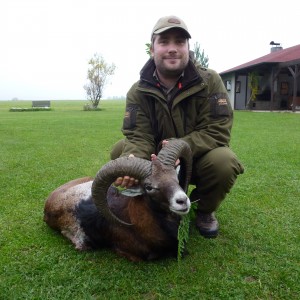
(224, 161)
(117, 149)
(214, 174)
(220, 163)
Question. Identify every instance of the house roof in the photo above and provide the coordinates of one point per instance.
(279, 56)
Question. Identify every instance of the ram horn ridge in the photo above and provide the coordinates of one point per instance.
(133, 166)
(173, 150)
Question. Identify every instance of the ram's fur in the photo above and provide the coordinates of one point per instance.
(92, 213)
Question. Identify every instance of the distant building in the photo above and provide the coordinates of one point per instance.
(278, 75)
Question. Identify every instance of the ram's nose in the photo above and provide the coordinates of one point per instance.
(181, 205)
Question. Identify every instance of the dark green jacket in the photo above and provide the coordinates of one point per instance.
(199, 113)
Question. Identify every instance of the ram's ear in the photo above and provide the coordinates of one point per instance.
(132, 192)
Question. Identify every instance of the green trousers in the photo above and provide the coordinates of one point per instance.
(214, 174)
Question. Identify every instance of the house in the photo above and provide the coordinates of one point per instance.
(277, 77)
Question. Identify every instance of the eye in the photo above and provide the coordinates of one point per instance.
(148, 188)
(163, 41)
(181, 41)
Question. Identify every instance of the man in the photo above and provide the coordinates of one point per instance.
(177, 98)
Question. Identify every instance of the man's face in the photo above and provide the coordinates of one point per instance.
(170, 51)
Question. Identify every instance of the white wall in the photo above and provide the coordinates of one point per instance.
(229, 82)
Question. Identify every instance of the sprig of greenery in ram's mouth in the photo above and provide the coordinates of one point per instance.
(184, 231)
(183, 235)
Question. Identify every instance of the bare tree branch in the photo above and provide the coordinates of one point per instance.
(97, 76)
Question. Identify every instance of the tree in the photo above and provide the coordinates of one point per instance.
(199, 56)
(253, 83)
(148, 46)
(97, 76)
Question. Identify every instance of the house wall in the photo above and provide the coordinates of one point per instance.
(229, 83)
(241, 93)
(238, 90)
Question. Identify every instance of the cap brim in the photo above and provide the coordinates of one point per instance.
(158, 31)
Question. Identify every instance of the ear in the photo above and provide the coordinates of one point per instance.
(151, 50)
(132, 192)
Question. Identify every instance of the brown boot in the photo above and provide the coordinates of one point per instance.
(207, 224)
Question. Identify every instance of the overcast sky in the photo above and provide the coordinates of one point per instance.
(46, 44)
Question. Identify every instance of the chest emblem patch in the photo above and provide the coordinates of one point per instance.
(222, 101)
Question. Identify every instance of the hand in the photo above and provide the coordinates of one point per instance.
(126, 181)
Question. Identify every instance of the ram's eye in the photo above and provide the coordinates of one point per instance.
(148, 188)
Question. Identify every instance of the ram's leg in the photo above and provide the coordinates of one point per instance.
(77, 236)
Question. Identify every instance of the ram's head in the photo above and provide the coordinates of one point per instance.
(159, 179)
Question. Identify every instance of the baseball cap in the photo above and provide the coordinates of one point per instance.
(169, 22)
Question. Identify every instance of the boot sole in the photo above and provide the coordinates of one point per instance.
(209, 234)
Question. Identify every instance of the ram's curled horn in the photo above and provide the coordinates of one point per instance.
(174, 149)
(133, 166)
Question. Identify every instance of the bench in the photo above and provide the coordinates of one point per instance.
(43, 103)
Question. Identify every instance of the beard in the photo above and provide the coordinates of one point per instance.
(171, 67)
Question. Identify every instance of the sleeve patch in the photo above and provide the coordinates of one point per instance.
(219, 105)
(129, 121)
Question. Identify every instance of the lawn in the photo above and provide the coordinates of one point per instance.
(256, 255)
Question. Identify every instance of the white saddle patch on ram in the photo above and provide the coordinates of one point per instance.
(81, 191)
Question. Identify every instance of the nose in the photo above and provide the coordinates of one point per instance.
(181, 201)
(172, 49)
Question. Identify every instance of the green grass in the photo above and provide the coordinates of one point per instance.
(256, 256)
